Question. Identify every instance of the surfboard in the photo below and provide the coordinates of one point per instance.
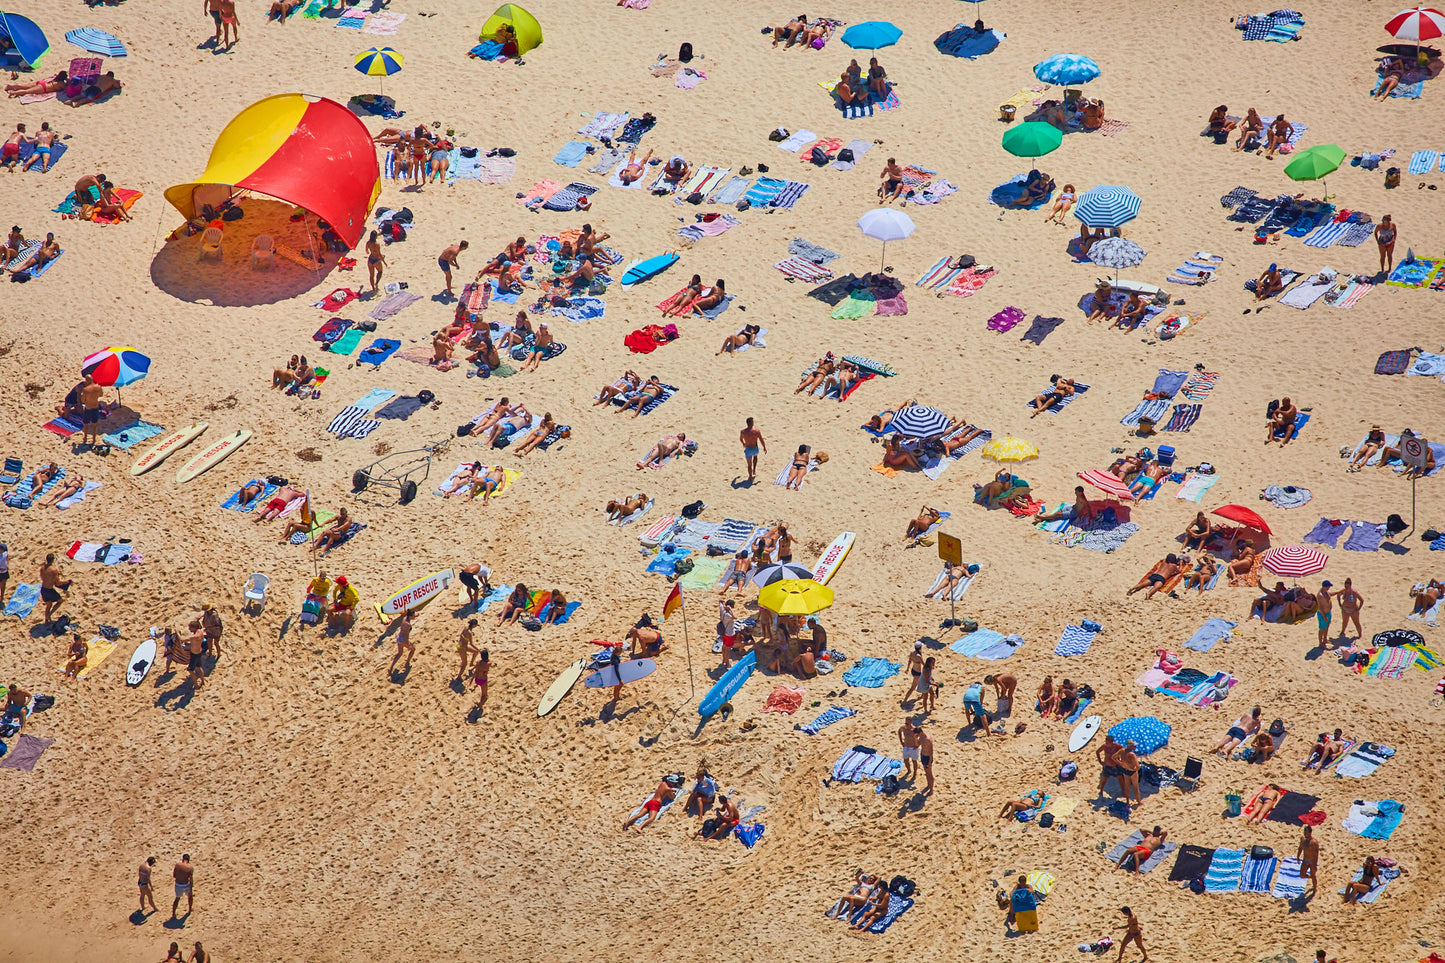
(629, 671)
(832, 557)
(561, 687)
(728, 685)
(1083, 732)
(141, 661)
(167, 446)
(415, 594)
(650, 268)
(214, 453)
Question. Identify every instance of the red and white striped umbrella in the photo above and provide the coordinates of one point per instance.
(1417, 24)
(1107, 483)
(1294, 561)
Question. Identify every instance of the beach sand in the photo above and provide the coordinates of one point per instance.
(334, 814)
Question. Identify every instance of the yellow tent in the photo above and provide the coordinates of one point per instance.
(523, 25)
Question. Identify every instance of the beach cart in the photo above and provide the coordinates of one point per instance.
(400, 470)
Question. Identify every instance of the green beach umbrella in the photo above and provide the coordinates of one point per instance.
(1032, 139)
(1315, 164)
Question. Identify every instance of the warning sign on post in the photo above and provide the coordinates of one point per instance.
(1413, 449)
(950, 549)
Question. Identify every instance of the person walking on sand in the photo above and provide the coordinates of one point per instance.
(925, 757)
(909, 736)
(403, 643)
(147, 895)
(51, 586)
(727, 629)
(479, 679)
(1350, 604)
(1132, 934)
(230, 26)
(4, 570)
(448, 260)
(1385, 233)
(375, 261)
(213, 7)
(1308, 854)
(185, 877)
(752, 439)
(465, 649)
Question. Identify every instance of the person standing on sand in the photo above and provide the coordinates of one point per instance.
(4, 570)
(479, 679)
(752, 439)
(1308, 854)
(213, 7)
(925, 757)
(1350, 604)
(1323, 612)
(1132, 934)
(229, 24)
(211, 623)
(448, 260)
(727, 630)
(147, 895)
(465, 649)
(1385, 233)
(908, 737)
(51, 586)
(90, 394)
(403, 643)
(185, 877)
(375, 261)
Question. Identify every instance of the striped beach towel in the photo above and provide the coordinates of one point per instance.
(603, 123)
(1391, 662)
(1199, 385)
(1075, 640)
(1288, 884)
(732, 191)
(940, 275)
(352, 423)
(790, 194)
(827, 718)
(1423, 161)
(703, 181)
(1057, 406)
(763, 192)
(1225, 870)
(1184, 417)
(1352, 296)
(1197, 269)
(1328, 234)
(1256, 875)
(1152, 409)
(804, 270)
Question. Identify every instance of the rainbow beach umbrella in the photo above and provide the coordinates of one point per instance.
(116, 367)
(379, 62)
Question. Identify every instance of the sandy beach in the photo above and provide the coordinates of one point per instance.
(335, 811)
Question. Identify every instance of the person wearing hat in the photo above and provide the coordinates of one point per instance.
(344, 599)
(1374, 442)
(1323, 612)
(1269, 284)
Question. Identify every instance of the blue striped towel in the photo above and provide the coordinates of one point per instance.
(234, 502)
(25, 488)
(1224, 872)
(871, 672)
(1423, 161)
(1283, 32)
(1079, 388)
(730, 192)
(134, 434)
(897, 906)
(1075, 641)
(1385, 876)
(1256, 875)
(856, 765)
(1151, 409)
(1184, 417)
(763, 192)
(1288, 884)
(791, 193)
(976, 642)
(1328, 234)
(830, 716)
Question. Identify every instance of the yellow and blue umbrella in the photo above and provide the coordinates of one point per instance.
(27, 38)
(116, 367)
(1010, 449)
(379, 62)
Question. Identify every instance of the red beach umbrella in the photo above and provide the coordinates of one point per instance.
(1294, 561)
(1107, 483)
(1245, 516)
(1417, 24)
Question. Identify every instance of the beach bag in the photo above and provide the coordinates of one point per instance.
(531, 623)
(1392, 177)
(1261, 852)
(963, 262)
(469, 152)
(902, 886)
(506, 152)
(1046, 820)
(709, 826)
(969, 625)
(889, 785)
(819, 43)
(367, 325)
(464, 429)
(1196, 886)
(818, 156)
(395, 231)
(1068, 771)
(694, 198)
(683, 566)
(684, 53)
(778, 134)
(845, 156)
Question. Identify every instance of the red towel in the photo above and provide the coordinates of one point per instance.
(785, 699)
(338, 299)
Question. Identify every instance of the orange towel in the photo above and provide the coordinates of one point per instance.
(785, 699)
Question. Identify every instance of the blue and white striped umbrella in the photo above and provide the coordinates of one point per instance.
(1066, 69)
(919, 421)
(1107, 205)
(1149, 734)
(96, 41)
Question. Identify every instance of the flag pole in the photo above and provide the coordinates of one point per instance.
(687, 642)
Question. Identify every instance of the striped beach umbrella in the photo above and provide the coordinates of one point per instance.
(769, 574)
(1294, 561)
(379, 62)
(919, 421)
(96, 41)
(1108, 484)
(1066, 69)
(1010, 449)
(1417, 24)
(116, 367)
(1107, 205)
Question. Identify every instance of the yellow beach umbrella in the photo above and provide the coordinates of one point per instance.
(1010, 449)
(795, 596)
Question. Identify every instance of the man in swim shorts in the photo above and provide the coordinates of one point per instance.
(278, 503)
(10, 153)
(751, 438)
(448, 260)
(892, 178)
(909, 736)
(44, 144)
(1323, 612)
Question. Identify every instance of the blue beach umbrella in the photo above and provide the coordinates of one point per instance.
(871, 35)
(1066, 69)
(379, 62)
(1149, 734)
(1107, 205)
(96, 41)
(28, 39)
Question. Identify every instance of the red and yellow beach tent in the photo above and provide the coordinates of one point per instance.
(307, 151)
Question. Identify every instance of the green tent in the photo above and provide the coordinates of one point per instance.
(522, 24)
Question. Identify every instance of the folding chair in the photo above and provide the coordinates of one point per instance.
(1193, 769)
(255, 591)
(11, 473)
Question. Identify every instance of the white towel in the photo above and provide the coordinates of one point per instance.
(798, 140)
(79, 496)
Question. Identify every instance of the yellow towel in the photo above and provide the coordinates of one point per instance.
(884, 470)
(99, 649)
(1061, 806)
(509, 475)
(1025, 97)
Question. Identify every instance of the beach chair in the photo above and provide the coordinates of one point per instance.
(255, 591)
(1193, 770)
(11, 472)
(263, 249)
(210, 244)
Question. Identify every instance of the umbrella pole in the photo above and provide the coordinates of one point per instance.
(883, 260)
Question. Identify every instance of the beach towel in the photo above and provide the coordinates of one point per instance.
(785, 699)
(858, 149)
(789, 195)
(980, 640)
(1327, 531)
(827, 718)
(958, 589)
(1288, 884)
(22, 601)
(1365, 537)
(1212, 632)
(1011, 190)
(701, 229)
(566, 199)
(603, 123)
(1196, 270)
(1287, 496)
(861, 763)
(25, 753)
(1374, 819)
(1395, 362)
(1040, 329)
(897, 906)
(1310, 290)
(571, 153)
(27, 151)
(1184, 417)
(1195, 486)
(1057, 406)
(1413, 274)
(1391, 662)
(389, 306)
(25, 488)
(234, 503)
(1153, 409)
(1225, 869)
(764, 190)
(732, 191)
(1191, 863)
(1256, 875)
(1423, 161)
(378, 351)
(352, 423)
(1363, 761)
(1386, 875)
(803, 270)
(782, 478)
(1129, 842)
(795, 142)
(1075, 640)
(871, 672)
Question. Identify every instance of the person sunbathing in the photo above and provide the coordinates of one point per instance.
(1103, 294)
(1272, 598)
(666, 447)
(537, 435)
(1092, 116)
(1062, 205)
(485, 353)
(43, 475)
(108, 204)
(72, 484)
(489, 483)
(1243, 562)
(14, 244)
(798, 470)
(683, 303)
(627, 506)
(1131, 315)
(1264, 747)
(1197, 532)
(1062, 388)
(877, 908)
(1390, 454)
(79, 657)
(35, 88)
(462, 480)
(1250, 131)
(665, 793)
(1269, 284)
(987, 495)
(650, 391)
(927, 518)
(790, 31)
(959, 438)
(953, 576)
(521, 327)
(892, 178)
(711, 299)
(1297, 604)
(704, 793)
(1136, 856)
(104, 85)
(742, 339)
(1426, 598)
(676, 170)
(725, 819)
(302, 524)
(895, 455)
(858, 895)
(1036, 188)
(249, 493)
(441, 347)
(1391, 72)
(630, 381)
(283, 497)
(500, 410)
(335, 533)
(1148, 479)
(49, 251)
(1081, 511)
(816, 36)
(519, 419)
(1265, 802)
(1374, 442)
(1029, 800)
(542, 342)
(634, 169)
(1219, 124)
(853, 73)
(813, 379)
(1281, 422)
(516, 605)
(1280, 132)
(1163, 570)
(1243, 728)
(1326, 750)
(281, 9)
(877, 78)
(842, 380)
(1369, 875)
(583, 276)
(1204, 571)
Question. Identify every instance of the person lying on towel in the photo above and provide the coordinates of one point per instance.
(1136, 856)
(1062, 388)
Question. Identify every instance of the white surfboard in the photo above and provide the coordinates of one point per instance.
(832, 557)
(624, 672)
(561, 687)
(415, 594)
(212, 455)
(1084, 731)
(168, 446)
(141, 661)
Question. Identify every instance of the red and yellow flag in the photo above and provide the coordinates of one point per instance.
(673, 603)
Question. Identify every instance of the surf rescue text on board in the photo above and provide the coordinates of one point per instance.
(421, 591)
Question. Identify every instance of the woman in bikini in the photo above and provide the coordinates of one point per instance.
(1219, 124)
(479, 678)
(1249, 131)
(896, 456)
(650, 391)
(515, 607)
(634, 168)
(1374, 442)
(842, 380)
(953, 442)
(630, 381)
(684, 302)
(798, 470)
(877, 78)
(1048, 701)
(485, 354)
(1062, 205)
(1242, 563)
(556, 607)
(521, 327)
(927, 518)
(627, 506)
(927, 685)
(818, 375)
(1264, 803)
(79, 656)
(420, 154)
(72, 484)
(1369, 875)
(710, 300)
(537, 435)
(463, 480)
(666, 447)
(741, 339)
(34, 88)
(465, 649)
(375, 260)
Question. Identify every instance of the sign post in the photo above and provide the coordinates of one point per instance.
(1414, 451)
(950, 550)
